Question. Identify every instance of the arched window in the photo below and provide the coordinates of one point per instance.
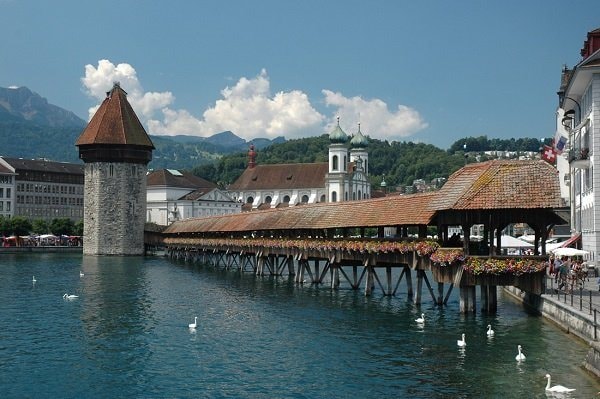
(323, 198)
(346, 196)
(333, 196)
(335, 163)
(286, 199)
(250, 200)
(353, 196)
(268, 199)
(345, 162)
(305, 198)
(359, 194)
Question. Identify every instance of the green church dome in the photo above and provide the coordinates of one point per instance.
(359, 140)
(337, 135)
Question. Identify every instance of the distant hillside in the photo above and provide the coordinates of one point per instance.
(30, 127)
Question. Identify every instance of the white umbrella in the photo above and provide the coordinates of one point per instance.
(507, 241)
(568, 251)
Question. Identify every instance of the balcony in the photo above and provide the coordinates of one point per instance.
(579, 158)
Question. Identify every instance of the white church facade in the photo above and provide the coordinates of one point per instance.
(343, 178)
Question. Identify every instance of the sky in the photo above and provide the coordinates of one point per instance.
(421, 71)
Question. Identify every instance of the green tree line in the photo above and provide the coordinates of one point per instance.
(400, 163)
(21, 226)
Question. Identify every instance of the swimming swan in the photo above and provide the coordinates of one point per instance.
(81, 274)
(33, 280)
(490, 332)
(461, 342)
(557, 388)
(67, 296)
(421, 319)
(520, 356)
(194, 324)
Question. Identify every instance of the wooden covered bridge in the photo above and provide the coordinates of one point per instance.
(347, 242)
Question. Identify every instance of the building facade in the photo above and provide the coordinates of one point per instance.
(343, 178)
(173, 195)
(578, 129)
(116, 150)
(41, 189)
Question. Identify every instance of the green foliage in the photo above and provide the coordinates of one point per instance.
(400, 162)
(62, 226)
(78, 229)
(39, 226)
(5, 227)
(20, 226)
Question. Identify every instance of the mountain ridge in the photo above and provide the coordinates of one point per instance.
(31, 127)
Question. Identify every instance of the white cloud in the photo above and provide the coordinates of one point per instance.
(375, 117)
(98, 81)
(250, 110)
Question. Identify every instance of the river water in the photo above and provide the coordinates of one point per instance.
(127, 335)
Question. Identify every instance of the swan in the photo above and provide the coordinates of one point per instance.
(520, 356)
(557, 388)
(490, 332)
(81, 274)
(67, 296)
(421, 319)
(194, 324)
(461, 342)
(33, 280)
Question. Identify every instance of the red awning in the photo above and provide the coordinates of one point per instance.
(571, 241)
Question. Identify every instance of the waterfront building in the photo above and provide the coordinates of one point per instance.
(174, 195)
(41, 189)
(578, 124)
(343, 178)
(116, 150)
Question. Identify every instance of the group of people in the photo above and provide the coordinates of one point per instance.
(566, 272)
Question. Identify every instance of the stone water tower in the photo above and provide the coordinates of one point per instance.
(116, 150)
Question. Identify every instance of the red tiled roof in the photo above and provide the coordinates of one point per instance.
(282, 176)
(501, 184)
(115, 122)
(163, 177)
(391, 211)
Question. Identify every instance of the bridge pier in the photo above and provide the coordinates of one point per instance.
(467, 299)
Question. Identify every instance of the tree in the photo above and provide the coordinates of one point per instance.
(78, 230)
(39, 226)
(62, 226)
(5, 227)
(20, 226)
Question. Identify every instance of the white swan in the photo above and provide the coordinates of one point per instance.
(520, 356)
(67, 296)
(81, 274)
(557, 388)
(194, 324)
(461, 342)
(421, 319)
(490, 332)
(33, 280)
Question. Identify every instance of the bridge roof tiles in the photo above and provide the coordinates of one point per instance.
(501, 184)
(390, 211)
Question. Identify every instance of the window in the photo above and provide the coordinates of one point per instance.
(323, 199)
(335, 163)
(268, 199)
(250, 200)
(286, 199)
(345, 162)
(1, 205)
(305, 198)
(1, 192)
(111, 170)
(8, 206)
(333, 196)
